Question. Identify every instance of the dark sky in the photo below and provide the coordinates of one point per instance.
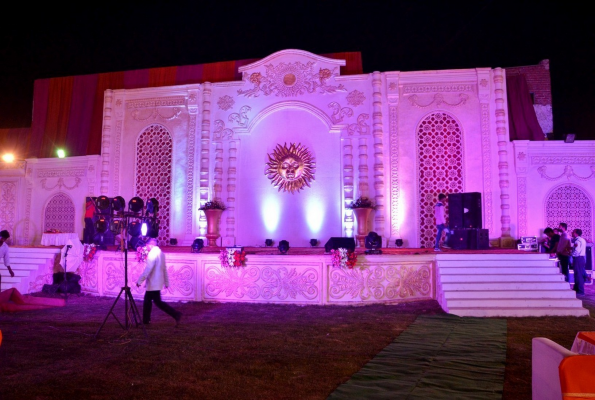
(392, 36)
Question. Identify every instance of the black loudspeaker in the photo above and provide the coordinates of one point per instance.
(455, 210)
(472, 210)
(459, 239)
(589, 258)
(336, 242)
(479, 239)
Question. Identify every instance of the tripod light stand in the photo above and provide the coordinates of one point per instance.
(121, 221)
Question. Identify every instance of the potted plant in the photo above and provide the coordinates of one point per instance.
(212, 210)
(362, 208)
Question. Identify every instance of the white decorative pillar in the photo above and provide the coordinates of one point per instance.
(483, 85)
(205, 138)
(392, 89)
(229, 239)
(347, 184)
(218, 171)
(106, 141)
(378, 153)
(191, 205)
(502, 132)
(362, 179)
(521, 158)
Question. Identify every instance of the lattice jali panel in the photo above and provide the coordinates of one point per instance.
(440, 168)
(59, 214)
(154, 150)
(8, 192)
(570, 204)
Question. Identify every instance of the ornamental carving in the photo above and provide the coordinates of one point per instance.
(241, 118)
(290, 80)
(568, 173)
(221, 132)
(360, 126)
(60, 184)
(382, 282)
(139, 115)
(355, 98)
(437, 88)
(339, 112)
(60, 172)
(553, 159)
(88, 273)
(290, 168)
(438, 100)
(225, 102)
(159, 102)
(8, 205)
(570, 204)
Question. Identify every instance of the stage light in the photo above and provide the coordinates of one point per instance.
(373, 243)
(173, 241)
(283, 247)
(399, 243)
(101, 225)
(268, 242)
(152, 206)
(144, 228)
(150, 228)
(136, 204)
(134, 229)
(569, 137)
(8, 157)
(313, 242)
(61, 153)
(197, 245)
(115, 226)
(102, 203)
(118, 204)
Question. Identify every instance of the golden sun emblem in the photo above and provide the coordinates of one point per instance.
(290, 168)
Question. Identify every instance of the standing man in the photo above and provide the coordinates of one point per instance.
(156, 275)
(440, 222)
(563, 249)
(552, 243)
(4, 235)
(579, 255)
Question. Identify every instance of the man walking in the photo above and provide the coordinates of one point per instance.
(440, 222)
(579, 256)
(563, 250)
(156, 275)
(4, 235)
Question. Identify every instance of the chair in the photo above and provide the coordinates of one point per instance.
(577, 377)
(545, 360)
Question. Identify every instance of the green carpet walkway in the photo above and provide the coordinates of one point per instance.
(436, 357)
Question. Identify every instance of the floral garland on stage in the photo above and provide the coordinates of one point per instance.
(141, 253)
(89, 251)
(343, 258)
(232, 257)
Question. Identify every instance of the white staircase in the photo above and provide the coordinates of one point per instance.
(504, 285)
(28, 263)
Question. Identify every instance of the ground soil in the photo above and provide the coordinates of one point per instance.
(226, 351)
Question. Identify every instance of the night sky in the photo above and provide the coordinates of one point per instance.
(392, 36)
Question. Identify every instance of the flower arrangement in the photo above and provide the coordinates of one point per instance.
(232, 257)
(213, 205)
(362, 202)
(343, 258)
(52, 231)
(141, 253)
(89, 251)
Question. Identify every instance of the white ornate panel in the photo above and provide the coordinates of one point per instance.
(8, 200)
(380, 282)
(154, 153)
(440, 168)
(59, 214)
(570, 204)
(262, 282)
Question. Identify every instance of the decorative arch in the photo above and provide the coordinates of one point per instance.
(153, 173)
(300, 105)
(571, 204)
(439, 167)
(59, 213)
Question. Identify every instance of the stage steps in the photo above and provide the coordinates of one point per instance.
(504, 285)
(27, 263)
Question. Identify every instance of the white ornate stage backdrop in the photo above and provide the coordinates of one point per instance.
(399, 138)
(281, 279)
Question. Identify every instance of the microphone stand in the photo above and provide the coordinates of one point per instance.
(64, 285)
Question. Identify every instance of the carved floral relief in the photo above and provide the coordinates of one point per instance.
(290, 168)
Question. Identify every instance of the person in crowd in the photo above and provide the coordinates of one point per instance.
(551, 241)
(439, 214)
(563, 250)
(156, 276)
(579, 255)
(4, 236)
(89, 230)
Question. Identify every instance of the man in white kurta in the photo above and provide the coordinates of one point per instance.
(4, 235)
(156, 276)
